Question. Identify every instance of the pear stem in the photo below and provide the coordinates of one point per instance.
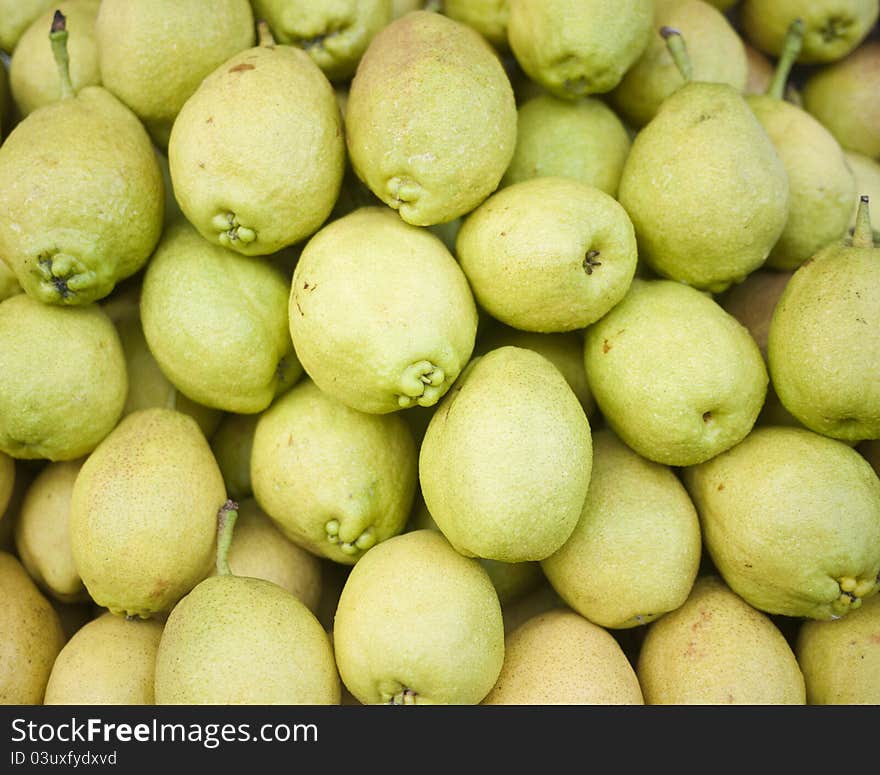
(678, 50)
(264, 34)
(226, 519)
(863, 234)
(58, 38)
(791, 50)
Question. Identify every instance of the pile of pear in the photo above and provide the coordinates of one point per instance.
(516, 352)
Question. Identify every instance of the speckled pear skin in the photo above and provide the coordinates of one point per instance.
(109, 661)
(15, 17)
(705, 188)
(143, 513)
(791, 520)
(717, 650)
(676, 394)
(417, 623)
(561, 658)
(82, 196)
(236, 640)
(431, 118)
(505, 463)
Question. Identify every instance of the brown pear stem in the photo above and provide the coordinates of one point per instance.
(791, 50)
(226, 519)
(677, 48)
(264, 34)
(58, 38)
(863, 234)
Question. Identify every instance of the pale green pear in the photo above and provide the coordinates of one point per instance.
(231, 444)
(7, 481)
(15, 17)
(488, 17)
(791, 520)
(401, 7)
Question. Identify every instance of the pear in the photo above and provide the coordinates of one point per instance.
(153, 54)
(753, 301)
(824, 341)
(6, 116)
(109, 661)
(401, 7)
(207, 651)
(216, 322)
(62, 379)
(32, 636)
(723, 5)
(716, 54)
(832, 28)
(560, 658)
(7, 481)
(231, 444)
(677, 378)
(259, 185)
(143, 513)
(867, 174)
(505, 463)
(574, 48)
(711, 215)
(42, 533)
(335, 35)
(488, 17)
(840, 659)
(335, 480)
(89, 162)
(791, 520)
(15, 17)
(760, 71)
(33, 74)
(635, 551)
(717, 650)
(435, 142)
(582, 139)
(540, 600)
(843, 97)
(381, 314)
(417, 623)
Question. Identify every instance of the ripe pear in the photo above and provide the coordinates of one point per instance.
(676, 392)
(15, 17)
(832, 28)
(216, 322)
(574, 48)
(62, 379)
(259, 182)
(90, 164)
(716, 53)
(417, 623)
(840, 659)
(109, 661)
(231, 444)
(336, 481)
(488, 17)
(824, 342)
(381, 314)
(717, 650)
(143, 513)
(549, 254)
(867, 174)
(505, 463)
(635, 551)
(431, 119)
(7, 481)
(560, 658)
(153, 54)
(42, 532)
(791, 520)
(582, 139)
(32, 636)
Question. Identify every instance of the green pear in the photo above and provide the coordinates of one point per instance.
(635, 551)
(417, 623)
(143, 530)
(231, 444)
(867, 173)
(717, 650)
(560, 658)
(505, 463)
(716, 53)
(381, 314)
(431, 119)
(832, 28)
(216, 322)
(15, 17)
(7, 481)
(824, 342)
(260, 181)
(153, 54)
(549, 254)
(581, 139)
(334, 34)
(677, 378)
(840, 659)
(32, 636)
(33, 74)
(335, 480)
(791, 520)
(109, 661)
(401, 7)
(62, 379)
(574, 48)
(488, 17)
